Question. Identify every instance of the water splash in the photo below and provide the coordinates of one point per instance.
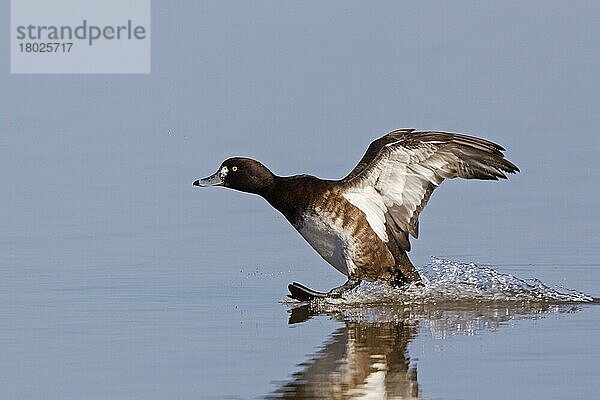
(456, 298)
(461, 281)
(449, 281)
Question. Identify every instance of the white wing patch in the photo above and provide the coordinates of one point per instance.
(371, 203)
(397, 186)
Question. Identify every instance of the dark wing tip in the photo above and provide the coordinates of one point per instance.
(485, 156)
(508, 167)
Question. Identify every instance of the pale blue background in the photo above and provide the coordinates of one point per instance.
(119, 280)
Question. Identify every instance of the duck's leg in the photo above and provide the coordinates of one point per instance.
(302, 293)
(406, 271)
(350, 284)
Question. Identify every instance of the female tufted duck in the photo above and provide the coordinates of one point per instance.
(361, 223)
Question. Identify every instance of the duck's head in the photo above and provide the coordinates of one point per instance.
(240, 173)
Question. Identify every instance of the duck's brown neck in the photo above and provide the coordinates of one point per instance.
(292, 195)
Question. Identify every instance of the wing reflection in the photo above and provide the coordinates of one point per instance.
(368, 358)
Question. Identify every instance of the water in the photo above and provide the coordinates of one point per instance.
(409, 352)
(119, 280)
(387, 332)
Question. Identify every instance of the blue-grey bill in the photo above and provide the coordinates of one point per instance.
(213, 180)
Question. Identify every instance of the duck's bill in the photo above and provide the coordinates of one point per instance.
(213, 180)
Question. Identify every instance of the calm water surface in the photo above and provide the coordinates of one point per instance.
(135, 285)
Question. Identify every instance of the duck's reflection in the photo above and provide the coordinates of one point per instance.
(367, 358)
(359, 359)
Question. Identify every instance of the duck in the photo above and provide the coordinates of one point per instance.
(362, 224)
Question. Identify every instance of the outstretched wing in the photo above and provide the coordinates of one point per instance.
(374, 149)
(395, 178)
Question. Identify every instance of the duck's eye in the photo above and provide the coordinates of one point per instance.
(234, 168)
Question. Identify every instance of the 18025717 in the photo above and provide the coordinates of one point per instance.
(45, 47)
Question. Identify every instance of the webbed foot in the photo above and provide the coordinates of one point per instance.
(302, 293)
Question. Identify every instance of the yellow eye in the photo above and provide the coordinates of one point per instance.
(234, 168)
